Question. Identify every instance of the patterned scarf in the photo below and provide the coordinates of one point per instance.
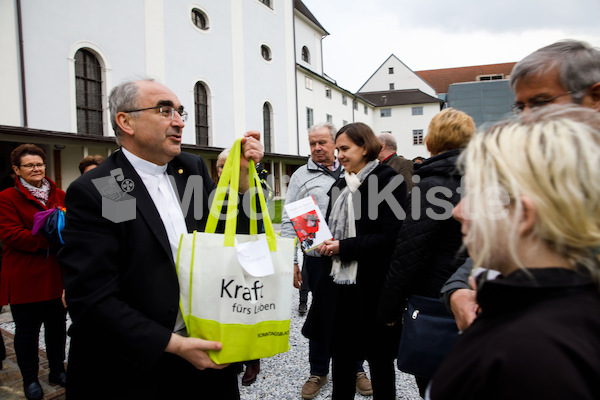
(40, 193)
(342, 224)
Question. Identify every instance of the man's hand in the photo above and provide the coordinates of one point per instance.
(297, 276)
(252, 149)
(463, 303)
(194, 351)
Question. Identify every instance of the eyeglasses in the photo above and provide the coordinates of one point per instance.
(536, 102)
(32, 166)
(167, 112)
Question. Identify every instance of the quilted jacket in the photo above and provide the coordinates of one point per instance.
(427, 250)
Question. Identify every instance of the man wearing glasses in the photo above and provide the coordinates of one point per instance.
(128, 337)
(563, 72)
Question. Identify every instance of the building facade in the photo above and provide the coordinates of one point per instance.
(60, 62)
(235, 65)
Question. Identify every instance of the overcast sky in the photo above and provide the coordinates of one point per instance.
(433, 34)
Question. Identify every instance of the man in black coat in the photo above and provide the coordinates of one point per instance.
(121, 239)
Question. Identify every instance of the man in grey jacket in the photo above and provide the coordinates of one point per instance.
(315, 179)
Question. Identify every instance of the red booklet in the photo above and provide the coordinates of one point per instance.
(308, 222)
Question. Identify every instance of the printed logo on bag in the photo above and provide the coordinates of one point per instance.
(250, 294)
(117, 204)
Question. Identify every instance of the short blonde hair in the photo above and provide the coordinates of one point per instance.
(450, 129)
(551, 157)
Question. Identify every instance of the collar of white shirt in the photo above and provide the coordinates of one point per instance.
(139, 164)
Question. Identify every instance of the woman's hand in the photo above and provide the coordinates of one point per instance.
(329, 248)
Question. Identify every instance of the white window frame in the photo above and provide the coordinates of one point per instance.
(202, 11)
(310, 117)
(308, 83)
(106, 67)
(418, 137)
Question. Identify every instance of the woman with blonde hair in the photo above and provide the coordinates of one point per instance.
(427, 249)
(532, 212)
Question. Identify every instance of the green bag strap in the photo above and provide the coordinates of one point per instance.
(192, 273)
(252, 188)
(230, 178)
(269, 231)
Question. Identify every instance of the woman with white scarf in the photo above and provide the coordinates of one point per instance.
(365, 213)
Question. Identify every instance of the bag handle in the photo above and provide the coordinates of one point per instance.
(229, 181)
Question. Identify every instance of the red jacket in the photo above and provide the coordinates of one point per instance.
(30, 271)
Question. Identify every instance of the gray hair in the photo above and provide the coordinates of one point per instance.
(327, 125)
(578, 65)
(389, 140)
(123, 97)
(223, 154)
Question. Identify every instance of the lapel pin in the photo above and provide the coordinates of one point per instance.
(180, 171)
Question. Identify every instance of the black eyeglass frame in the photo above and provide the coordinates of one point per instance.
(180, 111)
(31, 167)
(518, 108)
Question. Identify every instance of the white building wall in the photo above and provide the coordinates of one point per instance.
(268, 80)
(156, 38)
(227, 59)
(365, 113)
(308, 35)
(139, 38)
(321, 105)
(290, 70)
(401, 125)
(10, 74)
(402, 78)
(49, 33)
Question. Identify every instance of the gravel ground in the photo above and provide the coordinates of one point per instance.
(281, 377)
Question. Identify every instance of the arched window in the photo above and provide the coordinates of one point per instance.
(199, 19)
(267, 127)
(88, 92)
(265, 51)
(305, 55)
(201, 106)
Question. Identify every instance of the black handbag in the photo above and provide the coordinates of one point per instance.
(428, 333)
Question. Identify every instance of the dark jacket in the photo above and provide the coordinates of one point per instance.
(121, 283)
(534, 339)
(404, 167)
(30, 271)
(427, 247)
(345, 314)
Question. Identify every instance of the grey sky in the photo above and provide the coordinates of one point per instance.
(432, 34)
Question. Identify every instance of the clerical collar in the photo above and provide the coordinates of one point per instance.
(142, 165)
(334, 166)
